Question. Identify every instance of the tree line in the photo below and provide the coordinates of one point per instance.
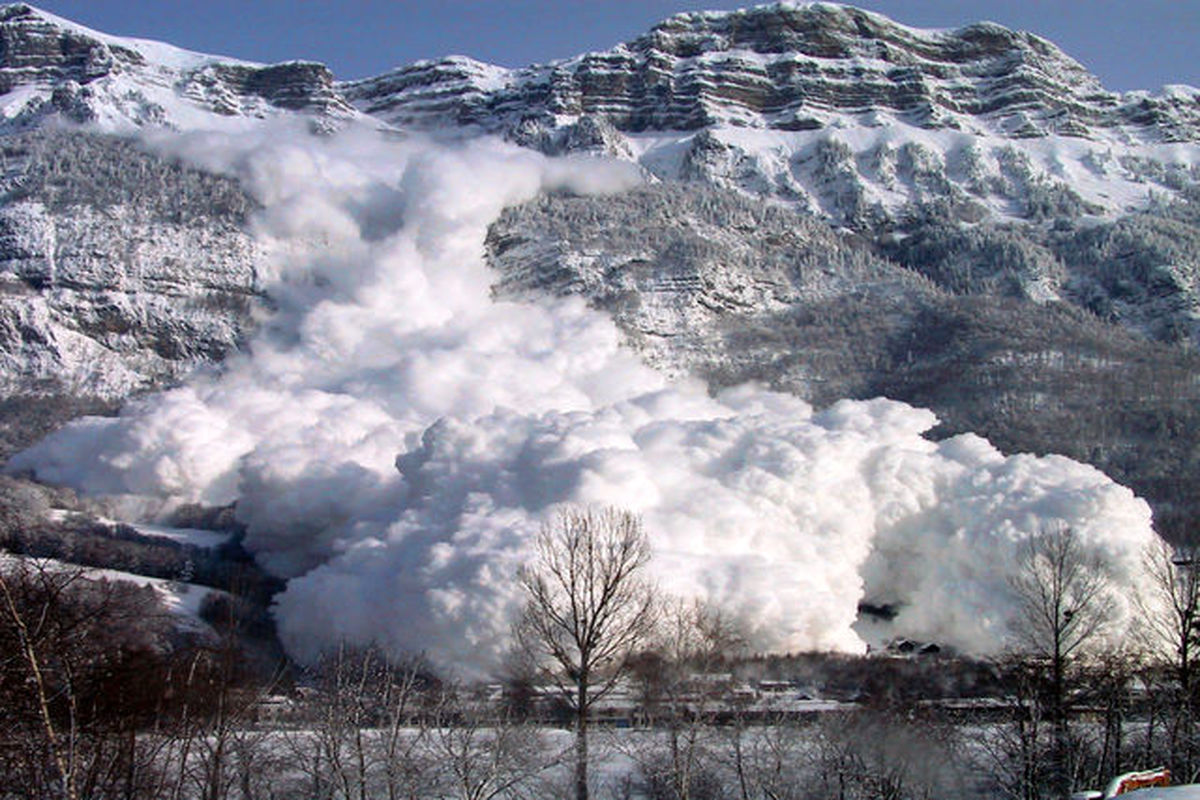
(105, 696)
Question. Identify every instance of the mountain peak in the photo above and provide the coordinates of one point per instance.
(68, 71)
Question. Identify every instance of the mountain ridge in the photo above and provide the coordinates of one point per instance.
(790, 63)
(939, 77)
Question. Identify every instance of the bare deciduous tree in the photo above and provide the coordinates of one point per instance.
(81, 668)
(1171, 621)
(588, 609)
(685, 690)
(880, 755)
(481, 755)
(1059, 589)
(367, 727)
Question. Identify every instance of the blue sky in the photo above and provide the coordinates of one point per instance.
(1130, 44)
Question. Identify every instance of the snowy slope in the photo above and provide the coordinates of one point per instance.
(182, 600)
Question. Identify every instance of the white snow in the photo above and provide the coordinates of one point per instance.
(1097, 170)
(394, 438)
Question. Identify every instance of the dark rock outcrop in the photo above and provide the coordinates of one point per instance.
(292, 85)
(35, 49)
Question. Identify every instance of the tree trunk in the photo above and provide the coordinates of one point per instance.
(1188, 709)
(739, 757)
(581, 739)
(581, 759)
(1061, 766)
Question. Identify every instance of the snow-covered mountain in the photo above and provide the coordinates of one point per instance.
(824, 203)
(952, 215)
(790, 67)
(841, 111)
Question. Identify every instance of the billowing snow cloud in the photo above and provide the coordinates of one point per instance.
(394, 437)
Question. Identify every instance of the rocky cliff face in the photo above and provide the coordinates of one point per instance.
(683, 272)
(838, 112)
(34, 49)
(119, 271)
(789, 67)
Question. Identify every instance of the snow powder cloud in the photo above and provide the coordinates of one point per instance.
(393, 437)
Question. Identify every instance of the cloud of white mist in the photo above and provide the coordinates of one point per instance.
(394, 437)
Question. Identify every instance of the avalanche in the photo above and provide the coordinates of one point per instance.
(393, 436)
